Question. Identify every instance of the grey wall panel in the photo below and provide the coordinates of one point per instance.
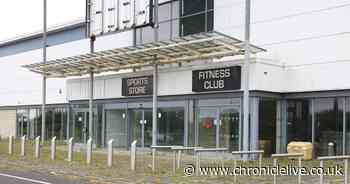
(35, 42)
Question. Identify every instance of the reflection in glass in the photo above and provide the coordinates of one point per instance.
(267, 125)
(141, 121)
(299, 121)
(207, 120)
(171, 126)
(229, 129)
(328, 124)
(116, 127)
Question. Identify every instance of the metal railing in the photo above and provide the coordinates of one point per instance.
(343, 157)
(154, 150)
(178, 151)
(287, 155)
(201, 150)
(255, 152)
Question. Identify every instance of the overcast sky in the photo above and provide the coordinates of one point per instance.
(19, 17)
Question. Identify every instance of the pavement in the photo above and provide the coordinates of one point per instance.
(31, 178)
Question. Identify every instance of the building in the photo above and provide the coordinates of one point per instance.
(289, 102)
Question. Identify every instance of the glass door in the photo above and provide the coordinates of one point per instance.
(229, 128)
(218, 127)
(81, 127)
(141, 121)
(207, 131)
(116, 127)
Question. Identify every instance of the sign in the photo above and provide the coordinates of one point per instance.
(137, 86)
(220, 79)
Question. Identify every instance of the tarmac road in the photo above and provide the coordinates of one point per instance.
(32, 178)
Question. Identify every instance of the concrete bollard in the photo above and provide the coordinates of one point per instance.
(70, 149)
(53, 148)
(10, 145)
(110, 153)
(89, 151)
(133, 155)
(37, 147)
(23, 145)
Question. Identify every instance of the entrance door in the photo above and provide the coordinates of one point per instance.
(142, 127)
(81, 127)
(229, 129)
(219, 127)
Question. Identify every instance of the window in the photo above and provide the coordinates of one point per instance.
(328, 125)
(168, 17)
(299, 121)
(267, 125)
(196, 16)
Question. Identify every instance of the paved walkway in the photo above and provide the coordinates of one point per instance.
(31, 178)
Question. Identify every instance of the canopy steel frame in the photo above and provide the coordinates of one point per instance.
(183, 49)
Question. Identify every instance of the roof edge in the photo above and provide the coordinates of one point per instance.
(38, 34)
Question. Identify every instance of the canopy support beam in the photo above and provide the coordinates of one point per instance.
(155, 102)
(91, 93)
(43, 107)
(246, 68)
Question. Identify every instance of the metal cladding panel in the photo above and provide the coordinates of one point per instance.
(119, 15)
(97, 17)
(8, 123)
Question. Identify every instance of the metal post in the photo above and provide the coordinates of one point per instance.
(174, 164)
(275, 176)
(198, 162)
(260, 160)
(10, 145)
(44, 77)
(234, 168)
(133, 156)
(321, 175)
(91, 94)
(37, 147)
(110, 153)
(155, 103)
(155, 77)
(70, 149)
(346, 163)
(89, 151)
(53, 148)
(299, 174)
(246, 79)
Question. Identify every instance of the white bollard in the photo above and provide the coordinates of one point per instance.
(70, 149)
(37, 147)
(110, 153)
(89, 151)
(23, 145)
(179, 159)
(133, 155)
(154, 159)
(10, 145)
(53, 148)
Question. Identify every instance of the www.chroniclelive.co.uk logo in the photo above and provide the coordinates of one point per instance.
(289, 170)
